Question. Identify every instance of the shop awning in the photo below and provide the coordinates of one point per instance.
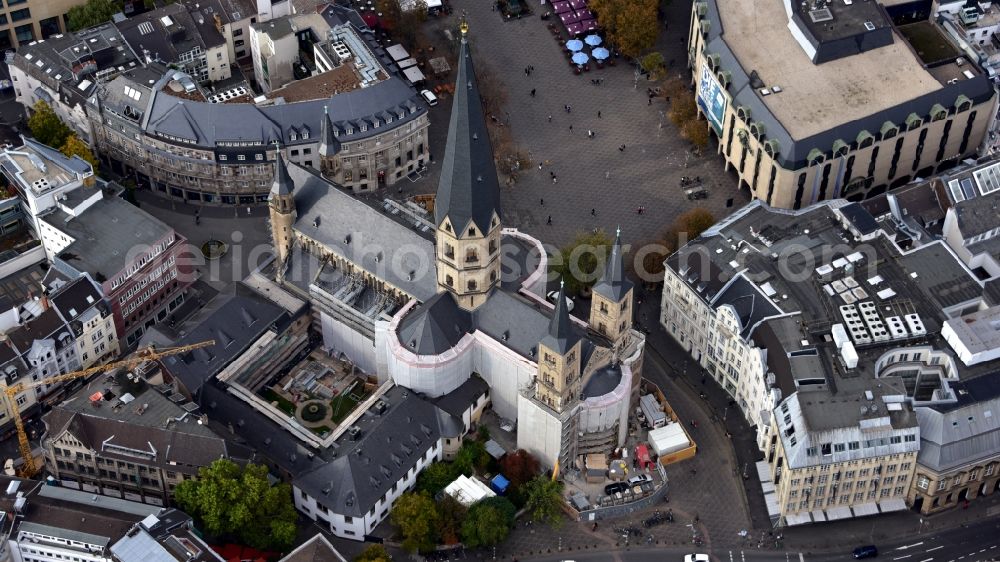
(897, 504)
(865, 509)
(835, 513)
(793, 519)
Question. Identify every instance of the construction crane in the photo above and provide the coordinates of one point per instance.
(147, 354)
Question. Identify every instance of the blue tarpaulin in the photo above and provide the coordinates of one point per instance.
(499, 484)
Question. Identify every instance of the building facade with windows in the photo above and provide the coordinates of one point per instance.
(129, 440)
(829, 327)
(129, 253)
(959, 458)
(801, 109)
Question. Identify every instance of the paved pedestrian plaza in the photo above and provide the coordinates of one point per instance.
(592, 173)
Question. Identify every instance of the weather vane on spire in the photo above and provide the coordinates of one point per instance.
(464, 26)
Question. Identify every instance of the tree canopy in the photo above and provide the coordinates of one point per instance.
(374, 553)
(451, 513)
(519, 467)
(229, 500)
(631, 25)
(92, 13)
(488, 522)
(417, 518)
(435, 477)
(544, 500)
(471, 457)
(580, 260)
(76, 147)
(46, 126)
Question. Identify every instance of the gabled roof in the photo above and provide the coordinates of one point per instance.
(561, 337)
(468, 191)
(613, 284)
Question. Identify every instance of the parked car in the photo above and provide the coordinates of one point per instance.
(429, 97)
(615, 488)
(696, 558)
(639, 479)
(553, 295)
(865, 552)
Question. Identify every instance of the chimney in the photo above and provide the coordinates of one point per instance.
(44, 301)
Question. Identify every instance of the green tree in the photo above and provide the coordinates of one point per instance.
(471, 457)
(46, 126)
(417, 518)
(654, 64)
(92, 13)
(545, 501)
(578, 263)
(488, 522)
(694, 222)
(76, 147)
(451, 513)
(630, 24)
(435, 477)
(374, 553)
(229, 500)
(697, 132)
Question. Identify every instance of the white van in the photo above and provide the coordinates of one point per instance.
(429, 97)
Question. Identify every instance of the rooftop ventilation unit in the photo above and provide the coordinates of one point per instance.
(915, 325)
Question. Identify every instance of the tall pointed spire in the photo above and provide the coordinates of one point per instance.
(328, 143)
(282, 184)
(614, 285)
(468, 191)
(560, 337)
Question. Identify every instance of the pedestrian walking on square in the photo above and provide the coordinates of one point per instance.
(607, 174)
(539, 165)
(532, 92)
(593, 212)
(621, 148)
(541, 202)
(590, 133)
(550, 118)
(569, 109)
(549, 221)
(555, 179)
(598, 114)
(649, 101)
(571, 128)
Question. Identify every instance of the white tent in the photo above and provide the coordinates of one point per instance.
(668, 439)
(468, 490)
(413, 74)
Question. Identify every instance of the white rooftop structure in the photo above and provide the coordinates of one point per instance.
(468, 490)
(975, 337)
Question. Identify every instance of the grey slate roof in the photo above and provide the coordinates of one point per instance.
(105, 234)
(560, 337)
(440, 324)
(205, 124)
(614, 285)
(468, 191)
(750, 304)
(462, 398)
(365, 236)
(390, 444)
(234, 322)
(955, 435)
(149, 32)
(860, 218)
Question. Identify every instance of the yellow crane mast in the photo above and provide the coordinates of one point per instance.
(147, 354)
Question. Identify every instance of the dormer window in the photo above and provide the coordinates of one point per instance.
(293, 136)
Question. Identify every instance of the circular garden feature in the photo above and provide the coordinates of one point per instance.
(214, 249)
(314, 412)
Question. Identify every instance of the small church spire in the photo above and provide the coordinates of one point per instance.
(614, 285)
(560, 337)
(328, 143)
(282, 184)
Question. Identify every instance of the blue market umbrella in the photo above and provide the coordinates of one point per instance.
(580, 58)
(600, 53)
(574, 45)
(593, 40)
